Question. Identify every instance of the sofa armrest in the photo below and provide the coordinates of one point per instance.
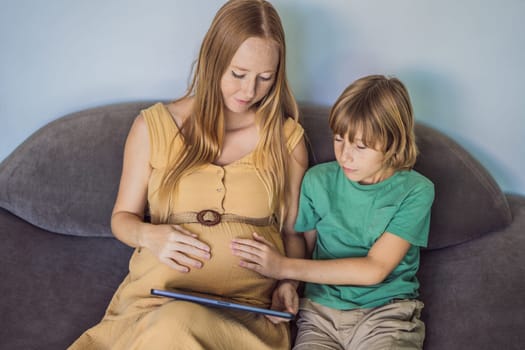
(473, 292)
(54, 286)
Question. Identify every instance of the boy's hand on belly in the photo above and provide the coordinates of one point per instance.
(259, 255)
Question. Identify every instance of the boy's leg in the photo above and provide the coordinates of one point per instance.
(317, 327)
(396, 325)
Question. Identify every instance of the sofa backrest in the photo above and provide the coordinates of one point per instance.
(64, 178)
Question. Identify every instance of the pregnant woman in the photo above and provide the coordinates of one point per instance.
(222, 162)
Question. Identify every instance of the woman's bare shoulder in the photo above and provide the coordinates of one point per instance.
(180, 109)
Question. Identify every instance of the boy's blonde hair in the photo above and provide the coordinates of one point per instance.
(380, 108)
(203, 131)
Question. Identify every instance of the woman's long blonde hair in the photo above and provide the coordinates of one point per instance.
(203, 129)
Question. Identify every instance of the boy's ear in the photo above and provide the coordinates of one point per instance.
(391, 159)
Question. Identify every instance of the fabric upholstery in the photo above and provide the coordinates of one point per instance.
(64, 178)
(473, 292)
(53, 286)
(468, 201)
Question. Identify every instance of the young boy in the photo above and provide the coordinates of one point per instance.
(365, 217)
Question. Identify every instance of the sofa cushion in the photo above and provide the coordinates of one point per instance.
(468, 202)
(64, 178)
(54, 287)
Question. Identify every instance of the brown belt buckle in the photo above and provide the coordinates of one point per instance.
(203, 217)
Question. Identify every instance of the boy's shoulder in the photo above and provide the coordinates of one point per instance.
(322, 177)
(416, 177)
(412, 181)
(322, 170)
(324, 167)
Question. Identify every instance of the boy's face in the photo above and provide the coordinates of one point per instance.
(360, 163)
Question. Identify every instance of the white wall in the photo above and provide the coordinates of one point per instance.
(461, 60)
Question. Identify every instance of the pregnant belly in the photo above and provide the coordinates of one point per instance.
(221, 275)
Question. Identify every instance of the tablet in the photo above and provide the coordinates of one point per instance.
(221, 303)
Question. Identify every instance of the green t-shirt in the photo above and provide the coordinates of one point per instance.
(350, 217)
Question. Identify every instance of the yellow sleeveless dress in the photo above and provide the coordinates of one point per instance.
(136, 320)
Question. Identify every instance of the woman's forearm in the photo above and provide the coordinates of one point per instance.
(129, 228)
(294, 245)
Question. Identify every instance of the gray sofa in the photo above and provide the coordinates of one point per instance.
(59, 264)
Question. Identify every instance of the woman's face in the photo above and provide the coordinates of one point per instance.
(250, 75)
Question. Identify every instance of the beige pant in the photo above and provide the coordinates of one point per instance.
(392, 326)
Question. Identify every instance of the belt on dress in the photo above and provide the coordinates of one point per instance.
(210, 217)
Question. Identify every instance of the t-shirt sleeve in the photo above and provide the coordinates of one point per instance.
(293, 132)
(307, 217)
(412, 220)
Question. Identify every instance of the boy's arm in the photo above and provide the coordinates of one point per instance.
(386, 253)
(384, 256)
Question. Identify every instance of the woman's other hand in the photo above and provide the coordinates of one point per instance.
(285, 298)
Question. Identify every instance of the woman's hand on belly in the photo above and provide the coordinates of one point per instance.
(176, 247)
